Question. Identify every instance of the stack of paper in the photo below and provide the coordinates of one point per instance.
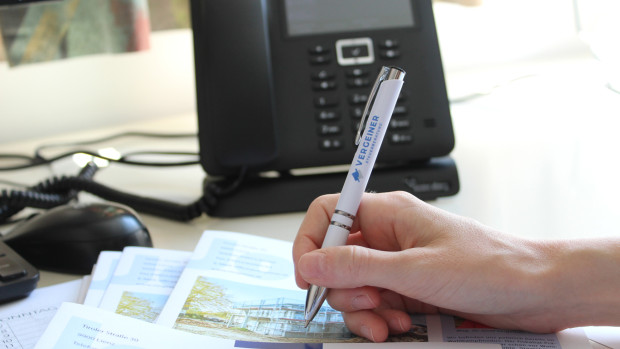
(236, 290)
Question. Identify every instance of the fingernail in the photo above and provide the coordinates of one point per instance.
(362, 302)
(312, 264)
(397, 325)
(366, 332)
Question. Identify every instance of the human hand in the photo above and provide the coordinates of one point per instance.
(405, 256)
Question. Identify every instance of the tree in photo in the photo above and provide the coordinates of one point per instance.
(206, 300)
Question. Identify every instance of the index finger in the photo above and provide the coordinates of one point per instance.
(312, 230)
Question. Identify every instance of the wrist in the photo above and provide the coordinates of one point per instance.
(583, 281)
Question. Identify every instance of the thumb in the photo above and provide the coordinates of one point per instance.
(350, 267)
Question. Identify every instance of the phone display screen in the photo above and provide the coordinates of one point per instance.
(311, 17)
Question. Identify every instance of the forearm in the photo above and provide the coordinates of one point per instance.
(584, 281)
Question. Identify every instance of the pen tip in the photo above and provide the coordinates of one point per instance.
(307, 323)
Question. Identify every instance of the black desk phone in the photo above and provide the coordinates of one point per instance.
(282, 84)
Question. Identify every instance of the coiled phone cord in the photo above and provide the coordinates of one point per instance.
(42, 195)
(61, 190)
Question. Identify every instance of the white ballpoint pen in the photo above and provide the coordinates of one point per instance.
(374, 124)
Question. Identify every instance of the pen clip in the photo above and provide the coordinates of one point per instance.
(383, 74)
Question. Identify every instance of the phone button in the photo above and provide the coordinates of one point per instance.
(318, 50)
(358, 98)
(323, 75)
(328, 130)
(325, 101)
(321, 59)
(389, 44)
(356, 112)
(399, 124)
(358, 82)
(324, 85)
(327, 115)
(400, 138)
(355, 51)
(330, 144)
(389, 54)
(400, 110)
(357, 72)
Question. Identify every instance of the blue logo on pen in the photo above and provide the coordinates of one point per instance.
(356, 175)
(368, 142)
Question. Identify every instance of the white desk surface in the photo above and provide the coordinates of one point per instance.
(537, 157)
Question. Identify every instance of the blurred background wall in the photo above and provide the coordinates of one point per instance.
(155, 78)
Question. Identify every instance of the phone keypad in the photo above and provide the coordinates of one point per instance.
(341, 94)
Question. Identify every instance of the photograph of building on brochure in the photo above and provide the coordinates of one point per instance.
(281, 317)
(232, 310)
